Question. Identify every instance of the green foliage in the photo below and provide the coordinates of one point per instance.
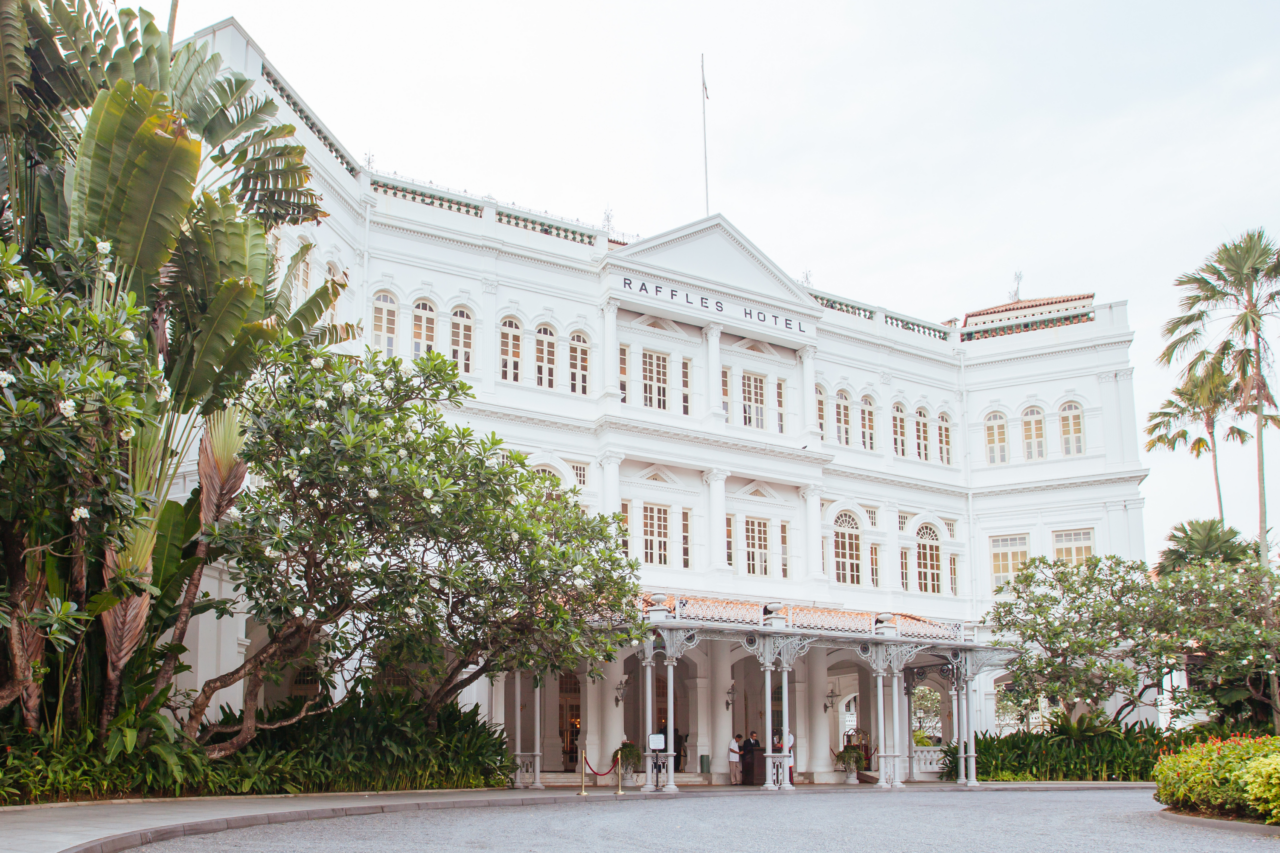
(1089, 753)
(1261, 780)
(851, 758)
(1208, 777)
(1203, 541)
(1086, 632)
(370, 743)
(629, 756)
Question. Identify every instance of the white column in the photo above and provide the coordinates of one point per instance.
(589, 734)
(819, 725)
(768, 728)
(537, 738)
(734, 417)
(711, 336)
(519, 742)
(670, 787)
(969, 730)
(911, 737)
(786, 729)
(962, 736)
(896, 682)
(799, 704)
(719, 653)
(882, 781)
(812, 530)
(699, 689)
(485, 345)
(610, 496)
(810, 402)
(612, 715)
(715, 523)
(609, 346)
(647, 663)
(498, 703)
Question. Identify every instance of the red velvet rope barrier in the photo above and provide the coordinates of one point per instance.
(605, 773)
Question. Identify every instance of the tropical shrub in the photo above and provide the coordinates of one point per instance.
(629, 756)
(1261, 780)
(850, 758)
(370, 743)
(1208, 777)
(1089, 752)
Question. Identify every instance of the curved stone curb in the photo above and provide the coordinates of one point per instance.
(130, 840)
(1217, 823)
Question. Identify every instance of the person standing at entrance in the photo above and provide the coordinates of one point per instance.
(735, 760)
(791, 758)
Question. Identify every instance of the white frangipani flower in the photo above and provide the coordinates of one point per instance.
(403, 453)
(6, 379)
(306, 451)
(163, 395)
(109, 276)
(373, 493)
(427, 493)
(104, 248)
(317, 362)
(348, 388)
(127, 433)
(79, 514)
(68, 409)
(321, 404)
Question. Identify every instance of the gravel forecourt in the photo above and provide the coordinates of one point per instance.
(1124, 821)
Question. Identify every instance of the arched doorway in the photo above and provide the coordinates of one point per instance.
(570, 718)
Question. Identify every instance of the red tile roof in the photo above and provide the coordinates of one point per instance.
(1023, 304)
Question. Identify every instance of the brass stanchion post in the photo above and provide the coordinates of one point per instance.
(582, 755)
(618, 764)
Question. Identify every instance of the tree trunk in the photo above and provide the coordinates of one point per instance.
(1265, 546)
(165, 677)
(79, 594)
(1217, 483)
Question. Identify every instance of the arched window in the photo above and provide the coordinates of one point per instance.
(997, 446)
(929, 559)
(847, 549)
(509, 350)
(842, 418)
(1033, 433)
(1072, 420)
(922, 434)
(822, 410)
(461, 340)
(384, 324)
(545, 357)
(577, 363)
(868, 424)
(899, 430)
(424, 329)
(944, 439)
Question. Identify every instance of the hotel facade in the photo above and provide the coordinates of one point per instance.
(823, 493)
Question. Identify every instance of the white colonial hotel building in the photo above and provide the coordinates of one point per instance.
(873, 475)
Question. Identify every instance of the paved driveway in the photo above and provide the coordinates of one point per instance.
(920, 821)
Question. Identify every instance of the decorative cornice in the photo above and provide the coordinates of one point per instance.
(717, 226)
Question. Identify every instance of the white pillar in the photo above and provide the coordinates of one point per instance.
(518, 748)
(882, 781)
(721, 714)
(896, 682)
(609, 364)
(610, 496)
(962, 736)
(612, 715)
(537, 737)
(647, 663)
(711, 335)
(808, 370)
(768, 728)
(593, 691)
(812, 530)
(911, 738)
(786, 730)
(716, 515)
(498, 703)
(973, 740)
(819, 725)
(799, 704)
(699, 689)
(484, 347)
(670, 787)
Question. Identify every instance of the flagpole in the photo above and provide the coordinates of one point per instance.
(706, 181)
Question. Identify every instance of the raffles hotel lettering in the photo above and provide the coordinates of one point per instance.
(680, 296)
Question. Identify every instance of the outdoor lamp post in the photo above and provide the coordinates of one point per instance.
(620, 692)
(732, 694)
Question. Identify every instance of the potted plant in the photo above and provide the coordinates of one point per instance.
(850, 760)
(629, 757)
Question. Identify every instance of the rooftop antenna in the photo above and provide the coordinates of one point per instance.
(706, 96)
(606, 222)
(1016, 295)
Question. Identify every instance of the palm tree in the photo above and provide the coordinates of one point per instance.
(1202, 399)
(1195, 541)
(1236, 290)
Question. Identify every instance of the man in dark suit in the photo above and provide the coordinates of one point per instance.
(750, 755)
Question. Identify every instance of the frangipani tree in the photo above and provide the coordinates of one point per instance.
(378, 534)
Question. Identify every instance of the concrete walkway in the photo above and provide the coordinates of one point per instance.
(122, 825)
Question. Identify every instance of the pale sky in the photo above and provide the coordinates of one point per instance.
(909, 155)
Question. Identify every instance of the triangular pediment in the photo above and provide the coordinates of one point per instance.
(757, 489)
(712, 249)
(660, 323)
(755, 346)
(658, 474)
